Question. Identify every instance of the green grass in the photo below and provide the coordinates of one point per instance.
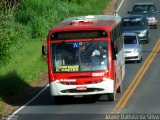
(1, 106)
(26, 26)
(24, 67)
(41, 15)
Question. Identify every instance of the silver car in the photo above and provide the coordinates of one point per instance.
(132, 47)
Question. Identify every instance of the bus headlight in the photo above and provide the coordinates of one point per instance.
(57, 81)
(104, 79)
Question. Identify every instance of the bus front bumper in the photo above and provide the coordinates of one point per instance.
(58, 89)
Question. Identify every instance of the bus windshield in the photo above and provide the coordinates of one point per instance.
(80, 56)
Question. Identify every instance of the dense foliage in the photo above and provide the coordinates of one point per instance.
(31, 19)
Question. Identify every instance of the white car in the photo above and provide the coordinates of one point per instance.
(132, 47)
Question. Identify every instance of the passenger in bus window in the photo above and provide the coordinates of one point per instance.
(58, 61)
(95, 58)
(83, 53)
(102, 51)
(99, 56)
(83, 49)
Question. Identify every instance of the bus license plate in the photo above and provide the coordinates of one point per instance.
(81, 88)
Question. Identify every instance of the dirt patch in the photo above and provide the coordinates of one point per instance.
(13, 102)
(110, 7)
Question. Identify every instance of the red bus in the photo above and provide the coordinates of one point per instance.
(85, 56)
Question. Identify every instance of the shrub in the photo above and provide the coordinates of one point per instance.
(10, 34)
(4, 47)
(9, 5)
(5, 37)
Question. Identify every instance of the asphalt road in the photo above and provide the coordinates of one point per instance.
(145, 98)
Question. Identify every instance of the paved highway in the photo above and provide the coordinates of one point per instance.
(141, 88)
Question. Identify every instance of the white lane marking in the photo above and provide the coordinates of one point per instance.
(119, 6)
(38, 94)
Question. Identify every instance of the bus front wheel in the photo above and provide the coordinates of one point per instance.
(111, 97)
(59, 99)
(119, 90)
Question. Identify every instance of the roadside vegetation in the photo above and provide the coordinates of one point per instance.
(24, 25)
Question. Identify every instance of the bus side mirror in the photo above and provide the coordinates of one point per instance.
(114, 57)
(44, 50)
(115, 54)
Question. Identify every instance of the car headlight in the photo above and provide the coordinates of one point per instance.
(143, 33)
(152, 18)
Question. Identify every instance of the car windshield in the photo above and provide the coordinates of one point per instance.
(130, 40)
(79, 56)
(133, 21)
(144, 8)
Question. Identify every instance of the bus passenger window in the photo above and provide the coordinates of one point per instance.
(58, 61)
(95, 58)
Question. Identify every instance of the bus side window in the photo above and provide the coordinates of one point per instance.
(114, 52)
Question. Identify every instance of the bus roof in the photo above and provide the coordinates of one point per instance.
(90, 20)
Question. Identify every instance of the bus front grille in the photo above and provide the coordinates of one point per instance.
(80, 91)
(82, 83)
